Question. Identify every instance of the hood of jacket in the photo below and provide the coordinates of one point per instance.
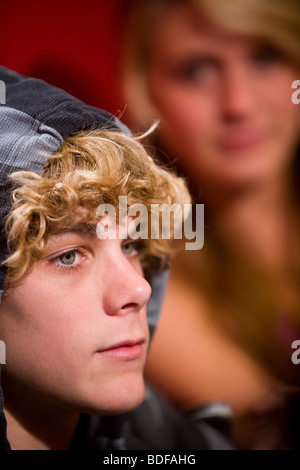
(35, 118)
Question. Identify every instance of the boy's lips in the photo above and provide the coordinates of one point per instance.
(125, 350)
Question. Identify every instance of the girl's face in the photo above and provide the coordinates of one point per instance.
(224, 102)
(75, 327)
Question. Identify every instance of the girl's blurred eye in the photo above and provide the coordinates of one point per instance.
(195, 71)
(266, 56)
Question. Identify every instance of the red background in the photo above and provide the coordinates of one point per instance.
(71, 44)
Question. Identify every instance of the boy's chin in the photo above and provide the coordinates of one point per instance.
(119, 402)
(128, 402)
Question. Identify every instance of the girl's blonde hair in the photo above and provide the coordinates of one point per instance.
(277, 22)
(89, 169)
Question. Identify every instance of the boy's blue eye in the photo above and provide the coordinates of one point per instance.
(68, 258)
(128, 248)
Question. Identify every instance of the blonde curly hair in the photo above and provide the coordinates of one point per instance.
(90, 168)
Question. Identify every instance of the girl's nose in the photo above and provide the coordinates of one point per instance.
(238, 97)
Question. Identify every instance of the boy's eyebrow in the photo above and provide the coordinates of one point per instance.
(85, 229)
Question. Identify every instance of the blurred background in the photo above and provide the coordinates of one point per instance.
(71, 44)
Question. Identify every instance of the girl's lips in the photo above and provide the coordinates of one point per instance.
(126, 350)
(240, 142)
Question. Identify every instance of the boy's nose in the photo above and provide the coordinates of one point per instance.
(125, 289)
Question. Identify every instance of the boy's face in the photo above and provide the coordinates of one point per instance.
(75, 327)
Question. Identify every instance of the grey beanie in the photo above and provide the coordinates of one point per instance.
(35, 119)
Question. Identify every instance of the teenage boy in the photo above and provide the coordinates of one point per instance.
(73, 305)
